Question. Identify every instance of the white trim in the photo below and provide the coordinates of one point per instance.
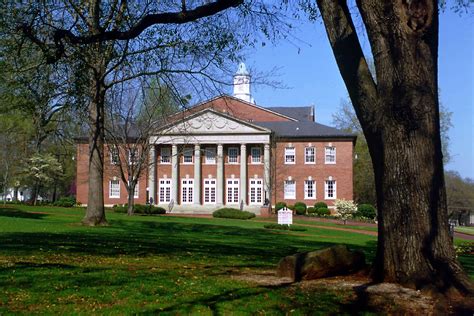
(188, 152)
(215, 139)
(234, 185)
(259, 155)
(211, 187)
(256, 187)
(306, 190)
(212, 150)
(326, 190)
(115, 191)
(328, 153)
(165, 152)
(236, 162)
(165, 184)
(187, 191)
(288, 153)
(285, 191)
(306, 155)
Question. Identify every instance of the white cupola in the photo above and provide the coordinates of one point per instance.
(242, 84)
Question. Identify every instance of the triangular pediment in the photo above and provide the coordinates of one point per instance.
(209, 121)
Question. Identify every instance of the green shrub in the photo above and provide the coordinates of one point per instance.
(320, 204)
(300, 204)
(366, 211)
(154, 210)
(322, 211)
(119, 208)
(140, 209)
(232, 213)
(284, 227)
(464, 248)
(300, 210)
(279, 206)
(310, 210)
(65, 201)
(291, 207)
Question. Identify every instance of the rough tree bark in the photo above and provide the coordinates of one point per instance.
(399, 114)
(97, 60)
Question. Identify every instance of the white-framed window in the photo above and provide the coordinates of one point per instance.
(330, 189)
(256, 191)
(210, 154)
(290, 155)
(187, 189)
(256, 154)
(114, 189)
(232, 191)
(309, 190)
(233, 155)
(187, 155)
(114, 155)
(165, 154)
(290, 189)
(133, 156)
(209, 191)
(330, 155)
(309, 155)
(164, 191)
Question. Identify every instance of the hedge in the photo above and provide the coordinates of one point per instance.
(279, 206)
(284, 227)
(322, 211)
(320, 204)
(65, 201)
(300, 204)
(140, 209)
(366, 211)
(232, 213)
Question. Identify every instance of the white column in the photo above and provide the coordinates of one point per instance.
(174, 174)
(243, 173)
(220, 175)
(197, 174)
(152, 174)
(266, 171)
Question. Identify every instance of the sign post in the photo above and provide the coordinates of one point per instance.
(285, 216)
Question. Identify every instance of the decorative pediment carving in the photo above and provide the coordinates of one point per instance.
(211, 122)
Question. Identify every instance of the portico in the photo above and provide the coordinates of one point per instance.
(216, 160)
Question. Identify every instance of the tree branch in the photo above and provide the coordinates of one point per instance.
(350, 60)
(134, 31)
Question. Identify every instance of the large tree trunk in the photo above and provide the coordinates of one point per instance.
(399, 114)
(95, 213)
(131, 201)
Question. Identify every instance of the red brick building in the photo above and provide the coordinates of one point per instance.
(230, 151)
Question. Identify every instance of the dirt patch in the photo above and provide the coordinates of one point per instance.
(362, 295)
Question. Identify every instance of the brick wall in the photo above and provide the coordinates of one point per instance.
(341, 171)
(111, 172)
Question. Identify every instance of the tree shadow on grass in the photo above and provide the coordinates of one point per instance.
(12, 212)
(144, 238)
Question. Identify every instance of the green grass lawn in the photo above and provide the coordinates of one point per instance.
(465, 230)
(50, 264)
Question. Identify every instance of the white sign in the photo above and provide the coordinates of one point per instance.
(285, 216)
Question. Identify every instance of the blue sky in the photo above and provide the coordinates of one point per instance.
(309, 71)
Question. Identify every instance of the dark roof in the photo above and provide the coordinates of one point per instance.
(301, 113)
(304, 129)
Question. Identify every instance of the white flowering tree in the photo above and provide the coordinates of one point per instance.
(345, 209)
